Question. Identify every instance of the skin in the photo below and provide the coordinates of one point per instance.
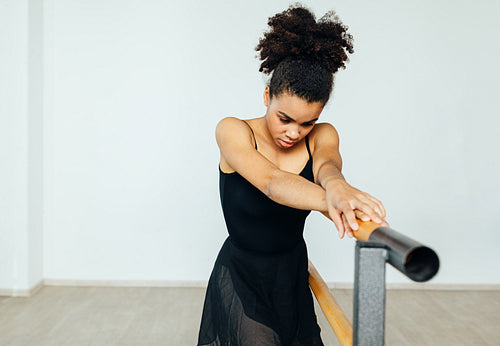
(282, 154)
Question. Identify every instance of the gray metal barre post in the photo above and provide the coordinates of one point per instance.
(378, 245)
(369, 294)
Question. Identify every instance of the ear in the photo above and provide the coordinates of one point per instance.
(267, 96)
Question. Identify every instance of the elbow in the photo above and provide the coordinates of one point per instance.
(271, 189)
(268, 190)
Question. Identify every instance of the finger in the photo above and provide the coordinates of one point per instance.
(385, 223)
(372, 202)
(351, 218)
(337, 220)
(367, 209)
(362, 216)
(381, 210)
(349, 230)
(340, 226)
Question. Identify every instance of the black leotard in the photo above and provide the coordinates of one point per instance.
(258, 292)
(254, 221)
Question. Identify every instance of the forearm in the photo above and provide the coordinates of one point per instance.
(329, 173)
(297, 192)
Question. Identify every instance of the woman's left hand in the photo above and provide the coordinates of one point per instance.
(346, 203)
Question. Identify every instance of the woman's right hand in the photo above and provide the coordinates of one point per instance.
(346, 204)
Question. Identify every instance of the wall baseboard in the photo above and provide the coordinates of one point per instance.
(126, 283)
(203, 284)
(14, 292)
(423, 286)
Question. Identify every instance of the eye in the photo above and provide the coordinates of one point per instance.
(284, 120)
(308, 124)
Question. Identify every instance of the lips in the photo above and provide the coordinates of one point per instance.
(286, 144)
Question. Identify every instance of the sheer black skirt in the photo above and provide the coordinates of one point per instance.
(257, 298)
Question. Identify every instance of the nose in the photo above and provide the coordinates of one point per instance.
(293, 132)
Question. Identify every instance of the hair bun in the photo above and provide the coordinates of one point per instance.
(296, 33)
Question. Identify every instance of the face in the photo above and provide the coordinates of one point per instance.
(289, 118)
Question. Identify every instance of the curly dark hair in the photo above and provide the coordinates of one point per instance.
(303, 54)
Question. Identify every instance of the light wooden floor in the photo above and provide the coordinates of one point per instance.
(170, 316)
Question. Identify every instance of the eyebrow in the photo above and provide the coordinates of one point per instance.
(289, 118)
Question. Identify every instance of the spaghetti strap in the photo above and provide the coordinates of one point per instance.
(307, 146)
(253, 134)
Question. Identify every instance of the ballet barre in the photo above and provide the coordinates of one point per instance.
(375, 246)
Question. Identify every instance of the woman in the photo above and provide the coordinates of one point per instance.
(273, 171)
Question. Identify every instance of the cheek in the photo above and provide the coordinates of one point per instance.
(306, 130)
(277, 126)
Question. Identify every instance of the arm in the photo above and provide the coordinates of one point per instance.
(238, 152)
(344, 202)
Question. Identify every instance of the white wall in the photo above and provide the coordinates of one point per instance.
(418, 114)
(35, 141)
(13, 145)
(133, 91)
(21, 190)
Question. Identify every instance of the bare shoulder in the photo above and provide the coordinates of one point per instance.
(325, 147)
(231, 128)
(324, 133)
(228, 124)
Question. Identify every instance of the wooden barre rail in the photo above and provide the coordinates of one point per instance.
(337, 318)
(365, 230)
